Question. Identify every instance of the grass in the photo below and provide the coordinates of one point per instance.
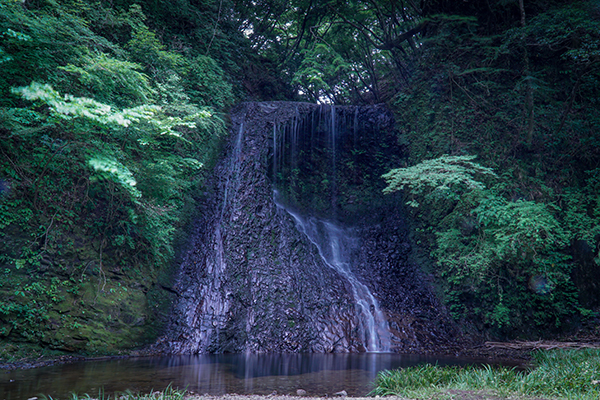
(558, 374)
(168, 394)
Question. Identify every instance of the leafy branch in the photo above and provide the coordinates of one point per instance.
(446, 175)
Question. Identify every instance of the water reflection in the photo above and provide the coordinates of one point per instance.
(318, 374)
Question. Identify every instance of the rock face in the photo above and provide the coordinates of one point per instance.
(255, 280)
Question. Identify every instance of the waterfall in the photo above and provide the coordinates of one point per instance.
(286, 273)
(335, 246)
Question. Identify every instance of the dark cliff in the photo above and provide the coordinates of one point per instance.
(254, 281)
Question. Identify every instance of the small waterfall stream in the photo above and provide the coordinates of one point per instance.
(335, 246)
(296, 149)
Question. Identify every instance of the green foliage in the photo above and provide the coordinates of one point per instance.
(142, 130)
(501, 260)
(557, 30)
(168, 394)
(580, 212)
(446, 176)
(117, 81)
(112, 169)
(96, 184)
(321, 74)
(44, 40)
(562, 374)
(522, 229)
(146, 49)
(69, 106)
(507, 268)
(332, 51)
(208, 84)
(503, 255)
(7, 35)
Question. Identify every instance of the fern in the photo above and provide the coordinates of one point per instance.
(115, 81)
(446, 176)
(523, 229)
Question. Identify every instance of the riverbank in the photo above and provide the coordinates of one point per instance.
(452, 394)
(449, 395)
(41, 359)
(566, 373)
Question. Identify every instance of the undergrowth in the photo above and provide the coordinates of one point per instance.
(168, 394)
(562, 374)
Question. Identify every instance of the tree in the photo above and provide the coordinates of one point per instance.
(97, 183)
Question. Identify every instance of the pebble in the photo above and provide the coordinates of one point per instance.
(301, 392)
(343, 393)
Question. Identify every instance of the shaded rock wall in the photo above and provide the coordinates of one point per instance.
(252, 282)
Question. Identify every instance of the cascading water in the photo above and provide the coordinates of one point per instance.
(285, 275)
(335, 246)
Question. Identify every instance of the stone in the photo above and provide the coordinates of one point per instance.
(343, 393)
(301, 392)
(253, 282)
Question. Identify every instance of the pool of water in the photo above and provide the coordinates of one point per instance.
(318, 374)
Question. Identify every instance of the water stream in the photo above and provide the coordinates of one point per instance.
(335, 246)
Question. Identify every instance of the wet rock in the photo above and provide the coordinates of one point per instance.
(252, 282)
